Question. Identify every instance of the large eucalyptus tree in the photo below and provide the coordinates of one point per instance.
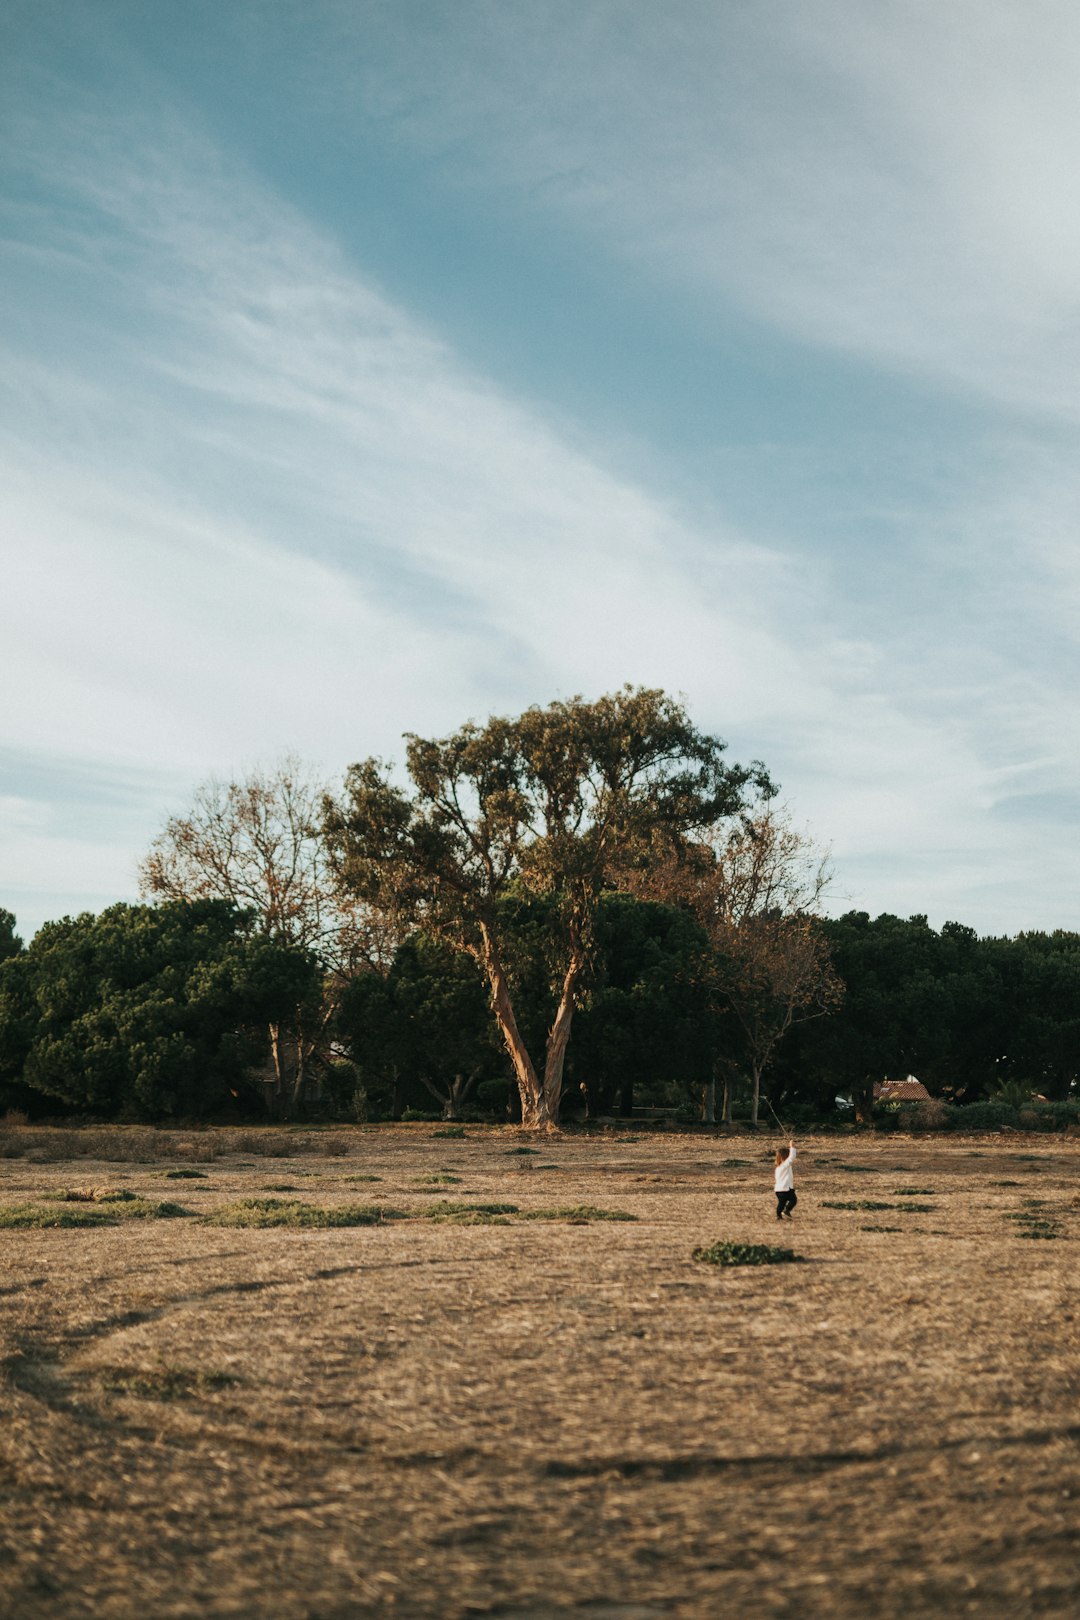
(554, 802)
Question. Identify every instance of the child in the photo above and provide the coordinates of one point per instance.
(784, 1182)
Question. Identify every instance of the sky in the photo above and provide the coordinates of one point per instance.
(367, 366)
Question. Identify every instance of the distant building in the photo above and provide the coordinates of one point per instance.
(909, 1090)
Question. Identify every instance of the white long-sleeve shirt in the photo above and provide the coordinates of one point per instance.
(784, 1174)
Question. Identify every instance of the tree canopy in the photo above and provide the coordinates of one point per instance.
(144, 1010)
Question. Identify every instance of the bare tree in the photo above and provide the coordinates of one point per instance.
(757, 888)
(256, 843)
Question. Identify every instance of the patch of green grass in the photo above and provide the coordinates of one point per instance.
(577, 1214)
(1004, 1183)
(26, 1217)
(278, 1187)
(734, 1164)
(744, 1254)
(854, 1203)
(858, 1169)
(90, 1195)
(39, 1217)
(291, 1212)
(471, 1217)
(443, 1179)
(1033, 1222)
(518, 1152)
(360, 1178)
(914, 1192)
(917, 1209)
(447, 1206)
(881, 1228)
(186, 1175)
(454, 1132)
(165, 1383)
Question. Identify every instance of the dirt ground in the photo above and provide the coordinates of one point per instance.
(539, 1419)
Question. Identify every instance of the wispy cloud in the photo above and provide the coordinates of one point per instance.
(893, 181)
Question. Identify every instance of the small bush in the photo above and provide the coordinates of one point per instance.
(744, 1254)
(186, 1175)
(985, 1116)
(928, 1114)
(443, 1179)
(455, 1133)
(261, 1212)
(577, 1214)
(521, 1151)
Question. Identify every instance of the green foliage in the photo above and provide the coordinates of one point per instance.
(744, 1254)
(986, 1116)
(414, 1030)
(86, 1213)
(10, 943)
(577, 1214)
(650, 1020)
(854, 1203)
(144, 1010)
(872, 1203)
(454, 1133)
(971, 1017)
(262, 1212)
(448, 1206)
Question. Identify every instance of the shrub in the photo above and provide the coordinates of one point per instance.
(928, 1114)
(577, 1214)
(455, 1133)
(985, 1116)
(744, 1254)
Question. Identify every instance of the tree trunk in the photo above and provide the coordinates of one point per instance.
(534, 1112)
(559, 1036)
(755, 1094)
(277, 1057)
(708, 1101)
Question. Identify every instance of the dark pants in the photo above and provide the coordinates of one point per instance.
(785, 1203)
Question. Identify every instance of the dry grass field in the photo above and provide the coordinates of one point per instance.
(465, 1414)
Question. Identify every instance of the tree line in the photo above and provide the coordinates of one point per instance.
(574, 912)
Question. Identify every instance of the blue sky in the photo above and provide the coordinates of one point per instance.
(367, 367)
